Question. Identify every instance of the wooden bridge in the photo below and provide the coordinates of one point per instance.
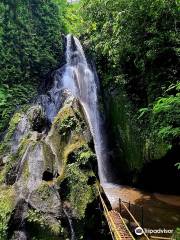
(121, 228)
(117, 225)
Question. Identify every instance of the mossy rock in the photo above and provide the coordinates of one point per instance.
(68, 133)
(11, 167)
(49, 157)
(77, 178)
(7, 204)
(36, 160)
(36, 118)
(71, 117)
(37, 153)
(18, 128)
(11, 129)
(44, 226)
(46, 199)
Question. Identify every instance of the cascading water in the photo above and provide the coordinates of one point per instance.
(77, 77)
(81, 81)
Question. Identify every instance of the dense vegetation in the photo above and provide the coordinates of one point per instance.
(136, 48)
(135, 45)
(30, 47)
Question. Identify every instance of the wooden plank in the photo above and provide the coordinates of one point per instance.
(120, 227)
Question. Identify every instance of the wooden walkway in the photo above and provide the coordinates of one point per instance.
(117, 226)
(120, 225)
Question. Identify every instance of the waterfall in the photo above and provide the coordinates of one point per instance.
(78, 78)
(82, 82)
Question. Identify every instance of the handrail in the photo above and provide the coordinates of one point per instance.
(112, 226)
(113, 230)
(126, 226)
(161, 238)
(134, 220)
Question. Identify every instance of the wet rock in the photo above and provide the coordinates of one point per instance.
(18, 128)
(16, 223)
(68, 132)
(21, 130)
(36, 118)
(39, 163)
(37, 159)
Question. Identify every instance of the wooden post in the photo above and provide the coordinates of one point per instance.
(120, 205)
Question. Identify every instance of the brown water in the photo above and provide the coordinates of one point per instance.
(159, 210)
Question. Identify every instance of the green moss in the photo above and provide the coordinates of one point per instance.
(13, 123)
(85, 155)
(24, 143)
(13, 159)
(4, 146)
(71, 122)
(36, 217)
(48, 155)
(65, 112)
(25, 172)
(2, 175)
(76, 143)
(70, 118)
(78, 184)
(41, 227)
(66, 134)
(77, 179)
(176, 234)
(7, 203)
(9, 167)
(44, 191)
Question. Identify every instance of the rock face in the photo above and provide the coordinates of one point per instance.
(46, 167)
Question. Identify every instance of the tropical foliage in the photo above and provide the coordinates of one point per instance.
(30, 47)
(136, 48)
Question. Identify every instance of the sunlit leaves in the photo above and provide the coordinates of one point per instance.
(178, 165)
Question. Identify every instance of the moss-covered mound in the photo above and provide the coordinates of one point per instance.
(43, 169)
